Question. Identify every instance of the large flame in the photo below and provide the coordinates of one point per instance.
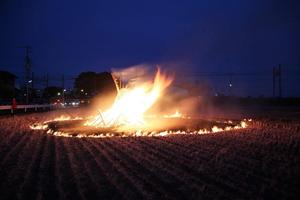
(131, 104)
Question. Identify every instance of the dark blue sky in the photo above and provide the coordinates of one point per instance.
(207, 36)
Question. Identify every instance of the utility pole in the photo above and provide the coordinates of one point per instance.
(274, 81)
(230, 85)
(27, 66)
(63, 87)
(47, 80)
(63, 81)
(277, 81)
(32, 78)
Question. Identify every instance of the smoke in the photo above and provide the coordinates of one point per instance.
(132, 72)
(190, 99)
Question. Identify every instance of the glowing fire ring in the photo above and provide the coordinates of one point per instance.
(172, 126)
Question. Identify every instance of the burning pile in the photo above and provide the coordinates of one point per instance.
(131, 104)
(127, 117)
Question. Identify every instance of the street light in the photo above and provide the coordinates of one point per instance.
(27, 91)
(63, 95)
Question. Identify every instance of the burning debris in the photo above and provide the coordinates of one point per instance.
(128, 116)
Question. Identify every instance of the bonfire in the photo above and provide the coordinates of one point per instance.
(128, 116)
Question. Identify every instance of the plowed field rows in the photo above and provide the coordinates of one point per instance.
(262, 161)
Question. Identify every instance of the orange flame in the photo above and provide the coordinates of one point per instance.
(131, 104)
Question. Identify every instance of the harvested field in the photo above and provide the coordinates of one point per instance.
(262, 161)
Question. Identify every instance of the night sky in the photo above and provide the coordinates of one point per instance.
(68, 37)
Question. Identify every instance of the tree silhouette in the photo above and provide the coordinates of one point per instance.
(91, 83)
